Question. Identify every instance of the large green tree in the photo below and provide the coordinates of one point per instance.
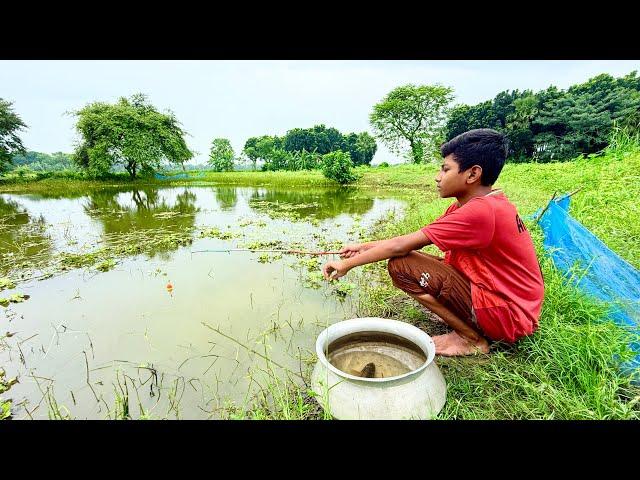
(250, 150)
(221, 155)
(10, 142)
(464, 117)
(318, 138)
(361, 146)
(132, 134)
(260, 148)
(413, 115)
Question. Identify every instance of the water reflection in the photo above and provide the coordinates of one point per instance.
(319, 204)
(227, 197)
(142, 209)
(22, 237)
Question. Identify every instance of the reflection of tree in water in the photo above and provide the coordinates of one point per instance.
(22, 238)
(149, 213)
(227, 197)
(319, 204)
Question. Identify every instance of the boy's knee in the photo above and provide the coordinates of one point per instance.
(425, 297)
(395, 265)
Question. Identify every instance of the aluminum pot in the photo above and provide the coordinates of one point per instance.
(418, 394)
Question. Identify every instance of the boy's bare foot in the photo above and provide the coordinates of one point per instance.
(452, 345)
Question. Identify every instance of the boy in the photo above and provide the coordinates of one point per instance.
(489, 284)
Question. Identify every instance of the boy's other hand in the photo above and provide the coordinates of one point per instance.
(334, 270)
(351, 250)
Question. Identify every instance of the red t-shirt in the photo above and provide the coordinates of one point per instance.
(487, 242)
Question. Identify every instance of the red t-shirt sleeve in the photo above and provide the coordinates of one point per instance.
(470, 226)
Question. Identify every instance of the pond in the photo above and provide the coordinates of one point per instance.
(122, 311)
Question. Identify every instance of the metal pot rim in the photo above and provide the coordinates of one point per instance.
(383, 325)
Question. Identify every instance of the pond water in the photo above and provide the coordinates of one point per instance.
(100, 326)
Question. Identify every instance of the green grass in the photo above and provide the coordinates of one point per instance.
(567, 369)
(79, 186)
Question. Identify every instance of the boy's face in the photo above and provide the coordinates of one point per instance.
(450, 181)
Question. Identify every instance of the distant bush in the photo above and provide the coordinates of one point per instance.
(337, 166)
(66, 174)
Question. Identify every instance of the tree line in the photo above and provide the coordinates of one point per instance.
(555, 124)
(298, 149)
(411, 120)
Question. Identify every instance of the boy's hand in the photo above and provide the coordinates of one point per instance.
(351, 250)
(334, 270)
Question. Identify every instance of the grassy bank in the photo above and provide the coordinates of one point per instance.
(566, 370)
(246, 178)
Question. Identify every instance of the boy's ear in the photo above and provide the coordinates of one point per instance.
(473, 174)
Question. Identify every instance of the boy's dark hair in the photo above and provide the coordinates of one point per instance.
(484, 147)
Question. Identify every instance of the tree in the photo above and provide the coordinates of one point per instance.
(10, 143)
(277, 159)
(556, 124)
(131, 134)
(337, 166)
(464, 117)
(458, 121)
(518, 129)
(261, 148)
(362, 147)
(580, 120)
(413, 114)
(302, 148)
(319, 138)
(221, 156)
(250, 150)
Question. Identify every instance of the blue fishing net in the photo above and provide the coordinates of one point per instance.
(595, 269)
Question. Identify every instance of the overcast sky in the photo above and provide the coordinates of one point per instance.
(240, 99)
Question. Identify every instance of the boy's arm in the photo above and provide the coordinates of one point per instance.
(382, 250)
(357, 248)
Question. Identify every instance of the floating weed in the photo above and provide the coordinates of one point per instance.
(105, 265)
(342, 289)
(281, 210)
(266, 258)
(5, 384)
(15, 298)
(6, 283)
(213, 232)
(244, 222)
(310, 263)
(263, 244)
(169, 214)
(115, 245)
(314, 280)
(5, 409)
(330, 245)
